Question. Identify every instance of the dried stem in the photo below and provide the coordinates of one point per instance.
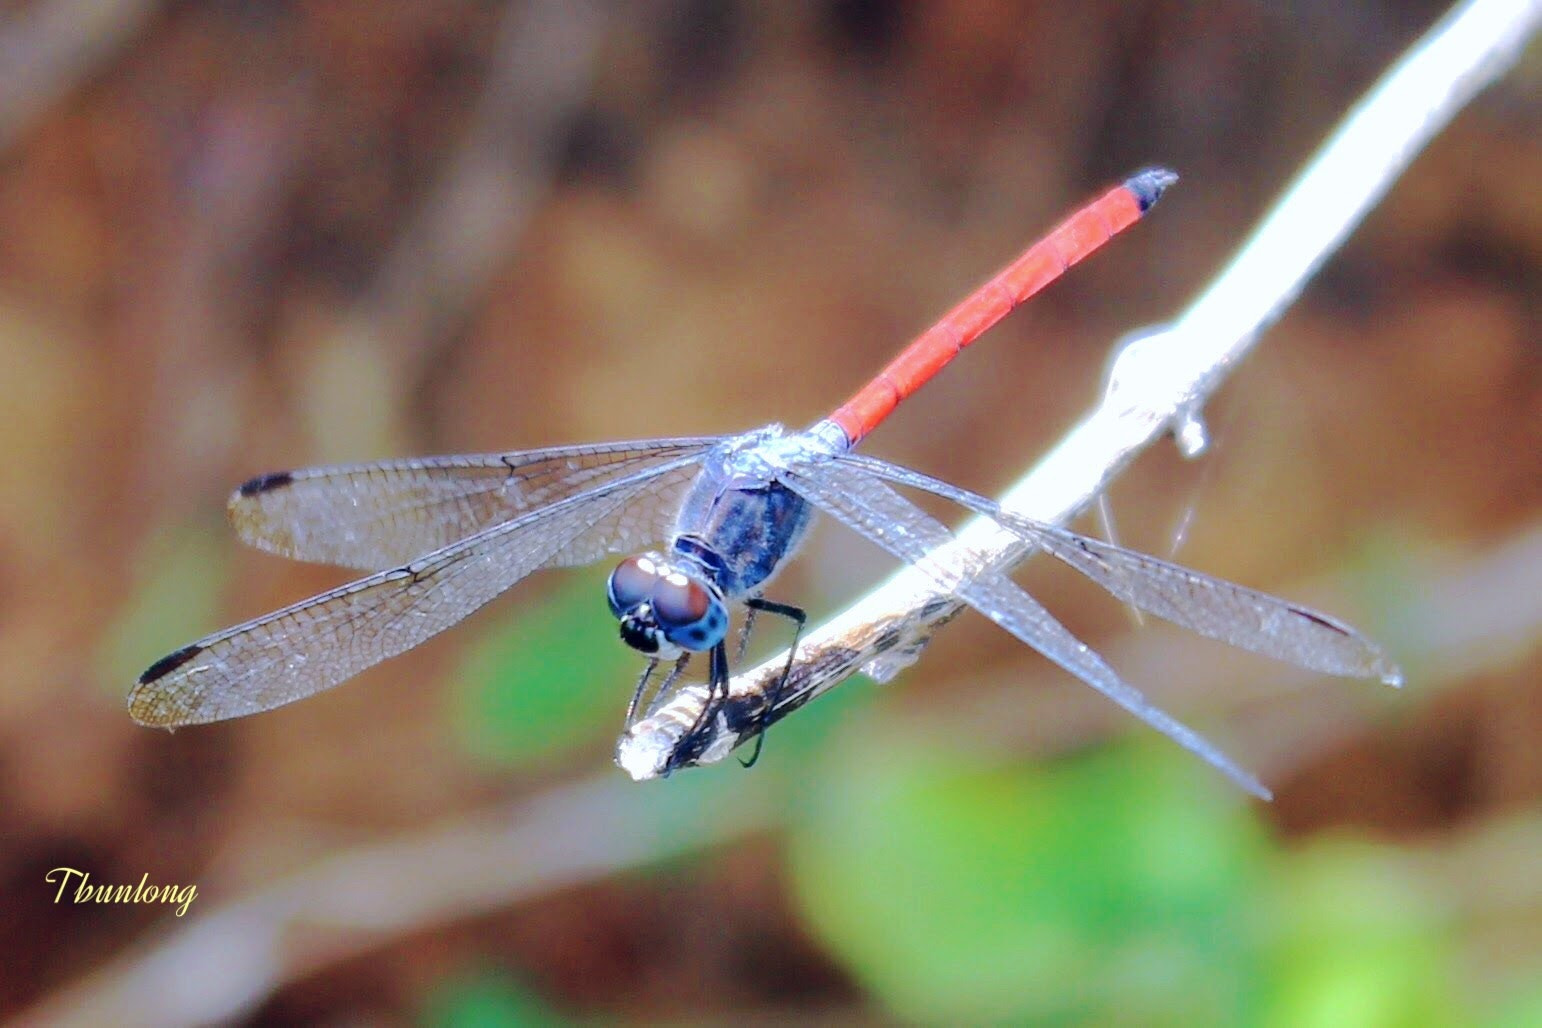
(1481, 612)
(1158, 381)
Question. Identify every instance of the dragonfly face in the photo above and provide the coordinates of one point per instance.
(664, 609)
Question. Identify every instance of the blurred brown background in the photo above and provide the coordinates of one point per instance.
(236, 237)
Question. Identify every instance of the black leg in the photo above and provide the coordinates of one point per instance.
(717, 688)
(642, 683)
(750, 610)
(800, 618)
(662, 692)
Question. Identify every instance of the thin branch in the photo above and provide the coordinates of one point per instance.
(1479, 613)
(1468, 615)
(1158, 382)
(230, 959)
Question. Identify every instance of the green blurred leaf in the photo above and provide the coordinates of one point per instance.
(1356, 940)
(180, 573)
(551, 676)
(1521, 1010)
(1112, 886)
(485, 999)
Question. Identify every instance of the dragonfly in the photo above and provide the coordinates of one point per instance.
(709, 521)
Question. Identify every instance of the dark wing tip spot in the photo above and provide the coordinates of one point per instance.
(169, 663)
(1149, 184)
(263, 483)
(1312, 615)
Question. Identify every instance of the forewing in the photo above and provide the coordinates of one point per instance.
(317, 643)
(382, 515)
(868, 505)
(1212, 607)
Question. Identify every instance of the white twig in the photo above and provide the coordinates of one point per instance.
(1469, 615)
(1157, 383)
(1464, 614)
(235, 956)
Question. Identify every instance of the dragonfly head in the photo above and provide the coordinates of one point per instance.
(664, 610)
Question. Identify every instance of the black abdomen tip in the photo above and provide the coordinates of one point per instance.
(1149, 184)
(276, 480)
(169, 663)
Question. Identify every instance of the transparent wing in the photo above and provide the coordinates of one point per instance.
(377, 516)
(318, 643)
(1212, 607)
(851, 495)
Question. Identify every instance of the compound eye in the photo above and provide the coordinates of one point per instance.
(679, 601)
(632, 583)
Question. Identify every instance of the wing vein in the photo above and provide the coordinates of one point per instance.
(322, 641)
(873, 509)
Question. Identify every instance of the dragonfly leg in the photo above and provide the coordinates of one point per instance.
(662, 692)
(717, 691)
(800, 618)
(637, 694)
(751, 609)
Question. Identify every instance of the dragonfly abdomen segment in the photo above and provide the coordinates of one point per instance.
(1073, 240)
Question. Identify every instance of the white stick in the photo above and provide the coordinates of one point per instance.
(1158, 382)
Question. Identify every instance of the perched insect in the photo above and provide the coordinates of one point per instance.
(446, 535)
